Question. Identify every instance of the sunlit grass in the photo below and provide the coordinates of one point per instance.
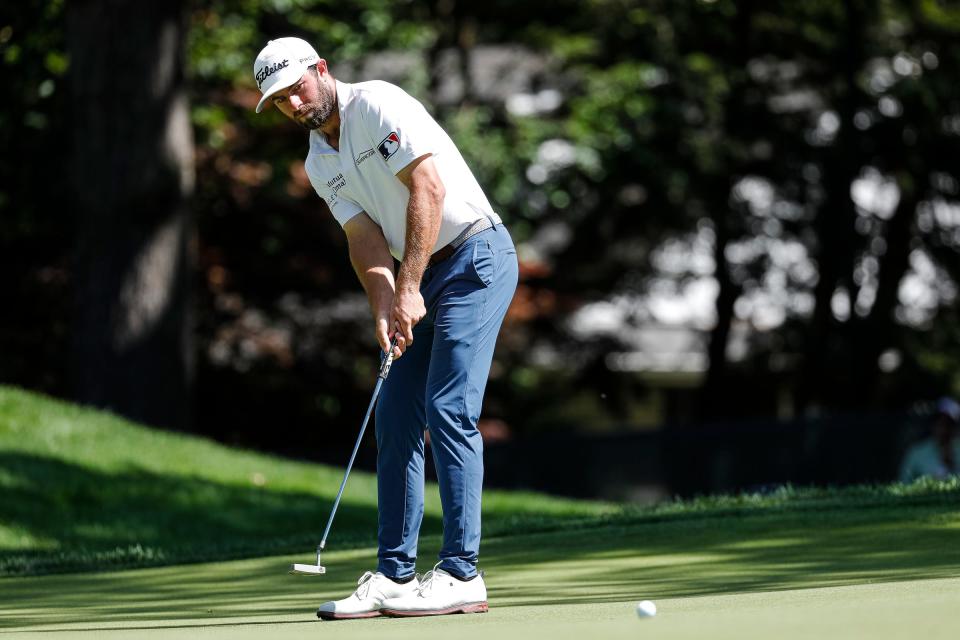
(86, 489)
(83, 490)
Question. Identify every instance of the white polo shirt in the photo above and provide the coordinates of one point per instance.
(382, 130)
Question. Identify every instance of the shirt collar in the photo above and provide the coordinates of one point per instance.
(344, 95)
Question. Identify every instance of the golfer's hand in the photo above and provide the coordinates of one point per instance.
(408, 310)
(383, 335)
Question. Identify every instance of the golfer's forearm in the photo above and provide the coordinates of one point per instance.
(424, 212)
(374, 267)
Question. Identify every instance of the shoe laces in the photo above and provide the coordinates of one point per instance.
(364, 583)
(426, 582)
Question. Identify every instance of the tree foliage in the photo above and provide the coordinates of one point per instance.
(795, 160)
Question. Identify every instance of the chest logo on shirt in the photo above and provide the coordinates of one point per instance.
(336, 183)
(363, 156)
(389, 145)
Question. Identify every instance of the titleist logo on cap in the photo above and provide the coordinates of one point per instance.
(269, 70)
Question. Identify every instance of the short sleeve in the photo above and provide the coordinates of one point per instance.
(399, 127)
(342, 208)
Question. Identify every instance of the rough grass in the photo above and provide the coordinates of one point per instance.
(84, 490)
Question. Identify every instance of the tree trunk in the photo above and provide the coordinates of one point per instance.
(879, 330)
(713, 402)
(824, 374)
(132, 164)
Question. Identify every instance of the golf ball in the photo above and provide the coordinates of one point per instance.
(646, 609)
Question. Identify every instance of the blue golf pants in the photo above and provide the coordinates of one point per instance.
(438, 385)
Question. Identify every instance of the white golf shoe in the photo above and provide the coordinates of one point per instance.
(365, 602)
(439, 593)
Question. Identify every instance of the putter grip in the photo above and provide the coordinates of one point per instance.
(388, 360)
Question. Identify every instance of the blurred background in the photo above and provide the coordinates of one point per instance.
(738, 226)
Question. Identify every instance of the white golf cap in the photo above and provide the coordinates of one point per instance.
(280, 64)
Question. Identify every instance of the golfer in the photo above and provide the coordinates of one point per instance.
(400, 189)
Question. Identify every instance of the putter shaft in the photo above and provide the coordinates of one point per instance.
(385, 364)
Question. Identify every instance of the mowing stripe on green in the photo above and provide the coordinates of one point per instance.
(858, 573)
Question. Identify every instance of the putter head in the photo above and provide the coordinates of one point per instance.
(307, 569)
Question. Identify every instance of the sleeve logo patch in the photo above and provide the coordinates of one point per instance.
(389, 145)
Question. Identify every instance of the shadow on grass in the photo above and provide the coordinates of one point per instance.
(79, 519)
(617, 563)
(93, 520)
(760, 552)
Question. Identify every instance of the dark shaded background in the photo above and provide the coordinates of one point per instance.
(738, 225)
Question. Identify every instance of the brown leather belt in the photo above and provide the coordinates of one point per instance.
(446, 251)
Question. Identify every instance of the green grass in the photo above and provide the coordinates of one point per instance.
(872, 573)
(85, 490)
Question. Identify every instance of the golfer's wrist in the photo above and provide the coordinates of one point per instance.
(406, 286)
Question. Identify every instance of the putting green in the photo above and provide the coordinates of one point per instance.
(861, 573)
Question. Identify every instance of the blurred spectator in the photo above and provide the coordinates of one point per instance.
(938, 455)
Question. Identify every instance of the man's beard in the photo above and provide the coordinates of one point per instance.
(316, 113)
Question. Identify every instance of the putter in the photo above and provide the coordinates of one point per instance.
(318, 569)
